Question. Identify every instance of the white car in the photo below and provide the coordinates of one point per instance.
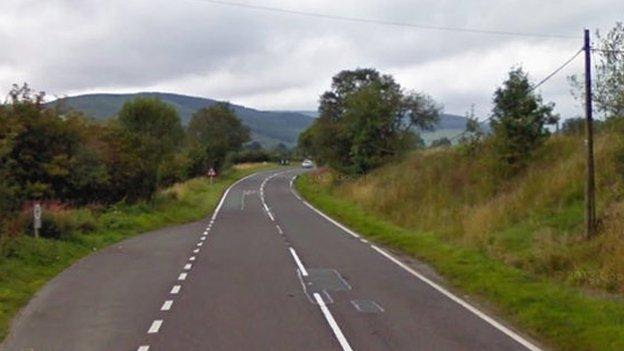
(307, 164)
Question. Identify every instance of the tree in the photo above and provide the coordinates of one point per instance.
(152, 133)
(365, 120)
(213, 133)
(473, 135)
(519, 119)
(608, 89)
(155, 123)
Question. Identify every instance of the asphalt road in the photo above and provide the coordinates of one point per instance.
(266, 272)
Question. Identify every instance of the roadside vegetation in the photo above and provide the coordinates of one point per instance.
(500, 212)
(27, 263)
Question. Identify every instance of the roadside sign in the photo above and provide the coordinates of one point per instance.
(37, 212)
(212, 173)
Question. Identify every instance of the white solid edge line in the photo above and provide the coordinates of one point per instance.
(167, 305)
(332, 323)
(460, 301)
(439, 288)
(155, 327)
(175, 289)
(302, 269)
(339, 225)
(143, 348)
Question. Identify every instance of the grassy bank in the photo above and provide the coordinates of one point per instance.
(514, 244)
(26, 263)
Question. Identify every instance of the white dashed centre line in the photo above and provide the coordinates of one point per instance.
(155, 327)
(182, 276)
(196, 251)
(167, 305)
(203, 238)
(175, 289)
(143, 348)
(192, 258)
(302, 269)
(188, 266)
(200, 244)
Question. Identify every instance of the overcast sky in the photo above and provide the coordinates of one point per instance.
(271, 60)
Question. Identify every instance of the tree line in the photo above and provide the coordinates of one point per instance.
(49, 154)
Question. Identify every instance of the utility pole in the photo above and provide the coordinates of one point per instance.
(590, 188)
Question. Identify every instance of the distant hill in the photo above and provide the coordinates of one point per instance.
(268, 127)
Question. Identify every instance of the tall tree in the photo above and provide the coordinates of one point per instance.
(214, 132)
(155, 122)
(519, 119)
(365, 120)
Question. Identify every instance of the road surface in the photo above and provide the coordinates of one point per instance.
(265, 272)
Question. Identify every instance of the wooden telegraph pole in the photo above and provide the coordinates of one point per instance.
(590, 188)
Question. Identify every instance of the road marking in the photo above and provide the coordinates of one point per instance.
(200, 244)
(345, 229)
(167, 305)
(214, 215)
(266, 208)
(302, 269)
(192, 258)
(196, 251)
(182, 276)
(279, 229)
(203, 238)
(143, 348)
(175, 289)
(460, 301)
(155, 327)
(188, 266)
(332, 323)
(271, 216)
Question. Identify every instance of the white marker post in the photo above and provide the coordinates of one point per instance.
(211, 174)
(37, 219)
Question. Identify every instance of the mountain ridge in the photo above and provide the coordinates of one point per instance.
(267, 127)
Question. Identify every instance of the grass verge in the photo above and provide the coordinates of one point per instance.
(26, 263)
(561, 316)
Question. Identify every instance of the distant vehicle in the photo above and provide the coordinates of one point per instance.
(307, 164)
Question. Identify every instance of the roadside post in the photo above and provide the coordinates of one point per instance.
(37, 211)
(211, 174)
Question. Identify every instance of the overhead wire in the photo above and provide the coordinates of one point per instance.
(533, 88)
(386, 22)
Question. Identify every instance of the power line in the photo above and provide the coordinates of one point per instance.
(385, 22)
(557, 70)
(608, 51)
(547, 78)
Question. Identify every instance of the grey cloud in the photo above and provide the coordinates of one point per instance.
(275, 60)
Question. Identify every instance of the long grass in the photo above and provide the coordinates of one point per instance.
(26, 263)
